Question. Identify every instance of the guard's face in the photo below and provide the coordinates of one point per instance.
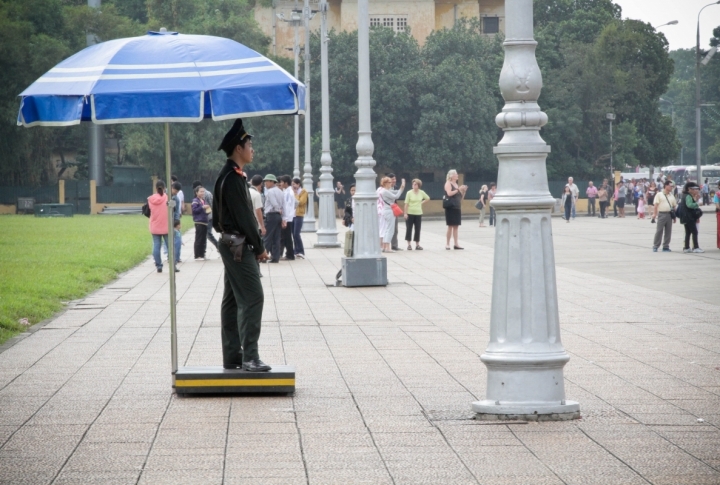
(246, 152)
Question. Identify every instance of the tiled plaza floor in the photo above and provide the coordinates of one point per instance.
(385, 376)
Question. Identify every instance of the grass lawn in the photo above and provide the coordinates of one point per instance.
(46, 262)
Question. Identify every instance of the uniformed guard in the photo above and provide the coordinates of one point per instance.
(240, 247)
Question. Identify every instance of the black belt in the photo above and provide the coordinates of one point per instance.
(268, 213)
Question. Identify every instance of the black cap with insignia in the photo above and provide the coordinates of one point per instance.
(233, 137)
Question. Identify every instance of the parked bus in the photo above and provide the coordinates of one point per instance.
(683, 173)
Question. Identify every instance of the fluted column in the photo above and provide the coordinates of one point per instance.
(367, 267)
(327, 232)
(309, 221)
(525, 356)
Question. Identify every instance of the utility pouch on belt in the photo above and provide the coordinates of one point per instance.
(235, 242)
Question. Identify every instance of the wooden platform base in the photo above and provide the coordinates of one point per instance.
(217, 380)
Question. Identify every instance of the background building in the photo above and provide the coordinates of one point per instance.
(421, 16)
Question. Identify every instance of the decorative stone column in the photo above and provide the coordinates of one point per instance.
(309, 221)
(366, 267)
(327, 233)
(525, 357)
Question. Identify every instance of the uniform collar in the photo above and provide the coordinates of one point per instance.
(236, 168)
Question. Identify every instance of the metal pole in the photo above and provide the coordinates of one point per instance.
(296, 52)
(525, 357)
(96, 133)
(327, 232)
(698, 122)
(366, 267)
(612, 174)
(309, 220)
(171, 255)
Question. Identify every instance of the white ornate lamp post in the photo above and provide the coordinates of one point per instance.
(309, 221)
(525, 356)
(367, 267)
(327, 233)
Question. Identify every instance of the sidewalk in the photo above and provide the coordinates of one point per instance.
(385, 376)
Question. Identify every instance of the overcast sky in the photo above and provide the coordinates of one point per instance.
(682, 35)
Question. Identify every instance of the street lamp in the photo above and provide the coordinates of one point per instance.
(366, 267)
(698, 142)
(672, 22)
(309, 220)
(295, 21)
(525, 356)
(611, 118)
(327, 232)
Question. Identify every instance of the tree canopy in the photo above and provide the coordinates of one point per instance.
(433, 106)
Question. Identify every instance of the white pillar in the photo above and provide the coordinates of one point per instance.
(309, 221)
(367, 267)
(327, 232)
(525, 356)
(296, 54)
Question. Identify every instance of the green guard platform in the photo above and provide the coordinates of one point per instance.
(218, 380)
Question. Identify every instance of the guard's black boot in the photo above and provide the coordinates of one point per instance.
(255, 365)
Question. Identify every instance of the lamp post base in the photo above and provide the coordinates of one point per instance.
(364, 272)
(326, 239)
(496, 410)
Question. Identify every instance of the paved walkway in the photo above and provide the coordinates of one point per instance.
(386, 376)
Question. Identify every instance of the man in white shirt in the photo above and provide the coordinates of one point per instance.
(288, 214)
(575, 192)
(664, 205)
(273, 217)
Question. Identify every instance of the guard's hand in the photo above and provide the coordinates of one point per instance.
(263, 257)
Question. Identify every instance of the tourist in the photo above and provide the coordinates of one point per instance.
(640, 207)
(567, 203)
(200, 212)
(257, 201)
(591, 193)
(348, 217)
(706, 193)
(664, 214)
(394, 243)
(158, 221)
(177, 235)
(180, 194)
(716, 199)
(490, 197)
(690, 214)
(339, 199)
(483, 202)
(575, 193)
(208, 201)
(414, 200)
(273, 217)
(388, 196)
(452, 203)
(603, 199)
(301, 196)
(621, 194)
(288, 216)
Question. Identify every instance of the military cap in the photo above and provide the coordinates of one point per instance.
(236, 134)
(270, 177)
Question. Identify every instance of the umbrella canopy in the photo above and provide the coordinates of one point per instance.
(161, 77)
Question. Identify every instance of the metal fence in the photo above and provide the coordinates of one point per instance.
(124, 194)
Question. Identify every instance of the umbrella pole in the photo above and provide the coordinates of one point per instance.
(171, 256)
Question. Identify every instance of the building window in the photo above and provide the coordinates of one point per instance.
(491, 25)
(398, 23)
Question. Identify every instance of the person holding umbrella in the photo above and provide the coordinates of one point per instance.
(240, 247)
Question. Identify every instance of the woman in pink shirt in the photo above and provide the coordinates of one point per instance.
(159, 221)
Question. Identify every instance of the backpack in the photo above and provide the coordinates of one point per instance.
(146, 210)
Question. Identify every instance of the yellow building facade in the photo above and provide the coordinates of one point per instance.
(420, 16)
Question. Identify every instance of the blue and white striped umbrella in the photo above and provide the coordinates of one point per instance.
(161, 77)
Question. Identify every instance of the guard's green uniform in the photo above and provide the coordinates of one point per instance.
(243, 298)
